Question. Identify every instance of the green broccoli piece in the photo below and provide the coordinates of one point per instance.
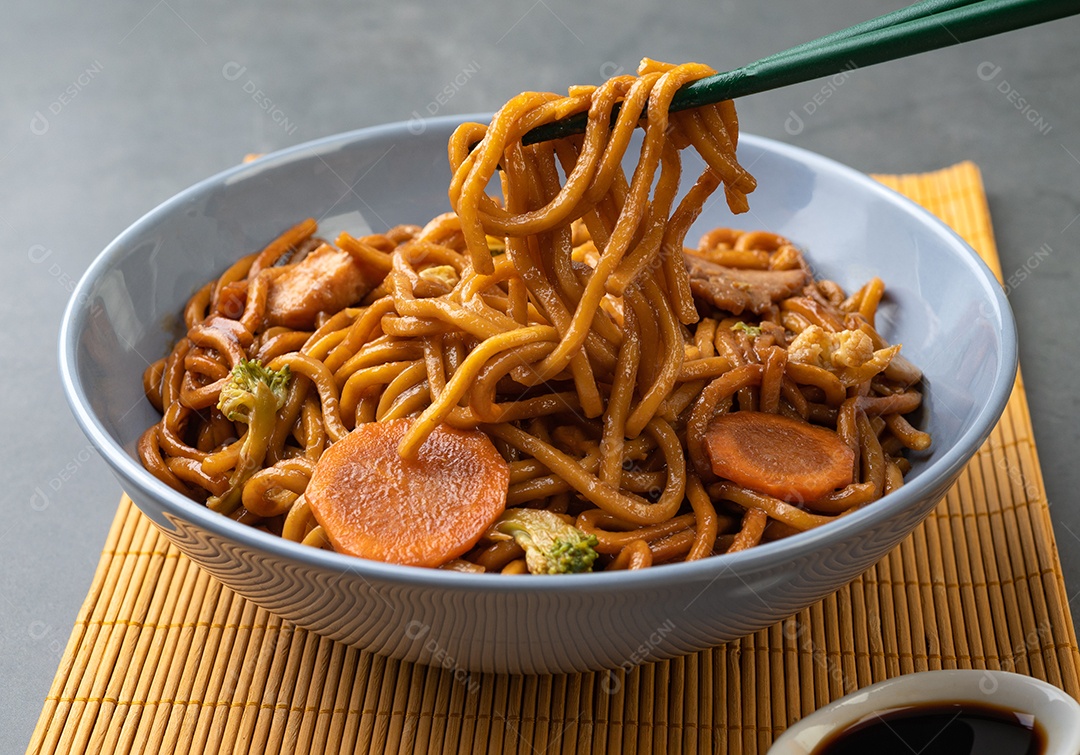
(252, 395)
(246, 391)
(551, 545)
(750, 330)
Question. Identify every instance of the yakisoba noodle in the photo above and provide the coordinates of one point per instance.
(570, 325)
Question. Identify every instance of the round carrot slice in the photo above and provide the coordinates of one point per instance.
(421, 512)
(782, 457)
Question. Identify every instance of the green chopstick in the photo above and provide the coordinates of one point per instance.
(925, 26)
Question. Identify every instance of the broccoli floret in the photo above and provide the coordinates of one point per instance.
(252, 395)
(551, 545)
(245, 392)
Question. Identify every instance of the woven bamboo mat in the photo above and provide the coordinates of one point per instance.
(163, 658)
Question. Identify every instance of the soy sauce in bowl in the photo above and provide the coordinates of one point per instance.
(940, 729)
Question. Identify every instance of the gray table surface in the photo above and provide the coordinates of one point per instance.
(106, 110)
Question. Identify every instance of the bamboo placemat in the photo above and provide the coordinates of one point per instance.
(163, 658)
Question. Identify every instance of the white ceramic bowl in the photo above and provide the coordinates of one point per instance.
(943, 305)
(1057, 714)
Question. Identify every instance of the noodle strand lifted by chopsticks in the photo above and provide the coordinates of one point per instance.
(567, 321)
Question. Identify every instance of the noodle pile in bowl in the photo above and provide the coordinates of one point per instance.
(563, 346)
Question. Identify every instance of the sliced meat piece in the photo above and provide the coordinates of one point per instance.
(326, 280)
(736, 290)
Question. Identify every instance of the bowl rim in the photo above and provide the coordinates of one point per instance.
(1040, 699)
(762, 558)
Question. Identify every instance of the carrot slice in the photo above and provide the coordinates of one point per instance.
(782, 457)
(422, 512)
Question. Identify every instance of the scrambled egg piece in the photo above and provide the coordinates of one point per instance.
(848, 354)
(438, 280)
